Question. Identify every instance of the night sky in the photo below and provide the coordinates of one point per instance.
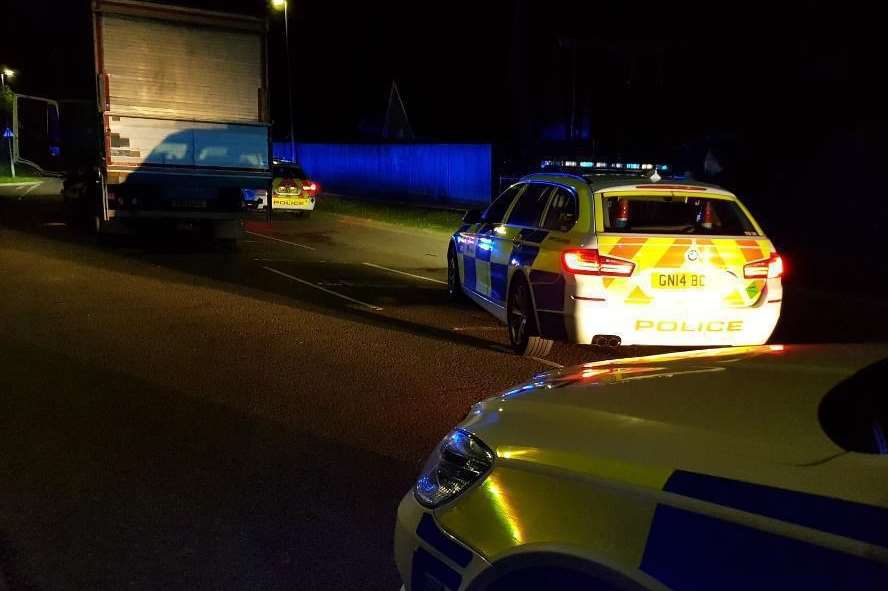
(782, 93)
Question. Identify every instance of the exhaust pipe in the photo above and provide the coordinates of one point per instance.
(607, 341)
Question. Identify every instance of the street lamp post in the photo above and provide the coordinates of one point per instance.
(282, 5)
(7, 131)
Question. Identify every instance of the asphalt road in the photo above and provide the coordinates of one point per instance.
(177, 416)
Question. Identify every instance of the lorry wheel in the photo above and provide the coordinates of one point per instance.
(228, 244)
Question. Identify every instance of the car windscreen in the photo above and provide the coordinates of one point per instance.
(667, 214)
(289, 172)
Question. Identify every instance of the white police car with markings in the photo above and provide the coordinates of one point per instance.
(291, 190)
(611, 253)
(761, 467)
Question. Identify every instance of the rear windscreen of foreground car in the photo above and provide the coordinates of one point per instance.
(659, 214)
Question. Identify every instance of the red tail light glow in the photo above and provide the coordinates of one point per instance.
(311, 188)
(770, 268)
(587, 261)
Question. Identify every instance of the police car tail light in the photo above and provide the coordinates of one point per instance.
(311, 188)
(459, 461)
(587, 261)
(770, 268)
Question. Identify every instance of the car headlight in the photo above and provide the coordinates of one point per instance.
(459, 461)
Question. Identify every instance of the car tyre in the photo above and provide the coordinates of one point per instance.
(454, 284)
(523, 332)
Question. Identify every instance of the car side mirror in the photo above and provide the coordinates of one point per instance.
(472, 216)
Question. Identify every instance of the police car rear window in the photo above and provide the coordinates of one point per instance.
(660, 214)
(289, 172)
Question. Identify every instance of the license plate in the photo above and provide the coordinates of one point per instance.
(289, 201)
(679, 280)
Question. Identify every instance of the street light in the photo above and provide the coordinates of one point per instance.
(282, 5)
(4, 74)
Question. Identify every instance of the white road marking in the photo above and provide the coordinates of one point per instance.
(474, 328)
(546, 362)
(405, 273)
(31, 188)
(279, 240)
(325, 290)
(53, 224)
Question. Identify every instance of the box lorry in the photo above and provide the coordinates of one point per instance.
(181, 118)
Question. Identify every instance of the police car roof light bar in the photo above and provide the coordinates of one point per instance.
(605, 167)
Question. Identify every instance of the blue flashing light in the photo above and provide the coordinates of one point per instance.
(633, 166)
(586, 164)
(663, 167)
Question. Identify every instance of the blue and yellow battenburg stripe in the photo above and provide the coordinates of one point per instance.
(486, 258)
(693, 550)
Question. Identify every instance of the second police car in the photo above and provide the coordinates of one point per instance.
(291, 188)
(612, 254)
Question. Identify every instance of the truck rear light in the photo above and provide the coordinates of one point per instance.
(587, 261)
(770, 268)
(311, 188)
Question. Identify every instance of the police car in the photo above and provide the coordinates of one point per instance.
(759, 467)
(291, 188)
(611, 253)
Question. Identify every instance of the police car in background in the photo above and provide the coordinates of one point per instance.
(292, 190)
(740, 468)
(611, 253)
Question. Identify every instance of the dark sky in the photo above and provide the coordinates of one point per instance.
(788, 95)
(628, 74)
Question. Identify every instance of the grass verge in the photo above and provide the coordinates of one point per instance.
(7, 180)
(404, 215)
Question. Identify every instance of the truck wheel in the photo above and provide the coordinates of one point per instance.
(228, 244)
(523, 333)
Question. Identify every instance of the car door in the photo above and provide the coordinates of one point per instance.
(476, 247)
(546, 278)
(518, 243)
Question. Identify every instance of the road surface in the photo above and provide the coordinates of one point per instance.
(176, 416)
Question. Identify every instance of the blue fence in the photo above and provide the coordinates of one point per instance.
(442, 174)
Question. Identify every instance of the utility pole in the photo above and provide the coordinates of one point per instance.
(7, 131)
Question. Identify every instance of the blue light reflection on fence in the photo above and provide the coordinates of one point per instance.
(425, 173)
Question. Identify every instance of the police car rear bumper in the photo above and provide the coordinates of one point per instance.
(672, 326)
(429, 558)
